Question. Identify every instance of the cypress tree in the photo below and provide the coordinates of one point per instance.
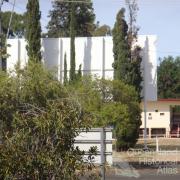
(136, 75)
(121, 48)
(136, 58)
(126, 69)
(33, 30)
(65, 69)
(72, 44)
(79, 73)
(127, 58)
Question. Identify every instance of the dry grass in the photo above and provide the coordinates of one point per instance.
(164, 143)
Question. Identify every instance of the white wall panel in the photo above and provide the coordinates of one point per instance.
(95, 54)
(86, 140)
(13, 51)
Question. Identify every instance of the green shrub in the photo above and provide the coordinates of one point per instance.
(40, 120)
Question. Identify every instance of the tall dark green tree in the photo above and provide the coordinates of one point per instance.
(127, 63)
(79, 73)
(72, 43)
(65, 69)
(135, 58)
(132, 7)
(127, 57)
(136, 74)
(121, 48)
(33, 30)
(59, 24)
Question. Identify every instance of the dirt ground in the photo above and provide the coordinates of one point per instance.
(164, 143)
(169, 149)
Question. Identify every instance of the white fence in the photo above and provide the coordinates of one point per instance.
(102, 139)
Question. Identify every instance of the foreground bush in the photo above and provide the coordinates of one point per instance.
(40, 120)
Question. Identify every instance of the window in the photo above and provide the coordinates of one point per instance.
(150, 116)
(160, 132)
(156, 110)
(161, 114)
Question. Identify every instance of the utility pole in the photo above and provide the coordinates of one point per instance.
(1, 2)
(103, 146)
(145, 98)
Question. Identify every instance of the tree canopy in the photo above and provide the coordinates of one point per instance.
(135, 50)
(169, 77)
(17, 28)
(59, 24)
(127, 55)
(127, 69)
(97, 97)
(121, 48)
(33, 30)
(103, 30)
(73, 25)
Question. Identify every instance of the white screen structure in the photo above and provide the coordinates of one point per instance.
(95, 54)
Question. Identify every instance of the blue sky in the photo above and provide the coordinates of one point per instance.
(159, 17)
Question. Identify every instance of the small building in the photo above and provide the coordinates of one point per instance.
(162, 118)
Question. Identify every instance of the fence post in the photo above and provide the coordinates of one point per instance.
(102, 154)
(157, 144)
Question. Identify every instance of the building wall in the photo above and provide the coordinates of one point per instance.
(156, 119)
(95, 54)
